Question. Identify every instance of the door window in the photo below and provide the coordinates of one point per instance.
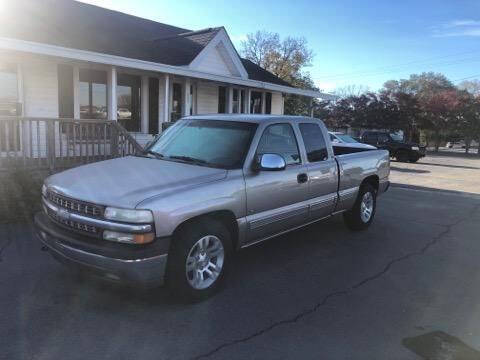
(383, 138)
(280, 139)
(314, 142)
(8, 90)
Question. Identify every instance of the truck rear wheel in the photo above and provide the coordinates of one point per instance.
(361, 215)
(402, 156)
(198, 259)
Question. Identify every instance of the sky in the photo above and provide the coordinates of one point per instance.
(355, 42)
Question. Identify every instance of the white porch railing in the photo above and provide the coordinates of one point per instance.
(44, 143)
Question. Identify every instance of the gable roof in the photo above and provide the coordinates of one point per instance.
(77, 25)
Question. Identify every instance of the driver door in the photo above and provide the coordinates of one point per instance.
(277, 200)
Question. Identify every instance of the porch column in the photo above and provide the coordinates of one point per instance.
(166, 105)
(76, 92)
(283, 104)
(247, 101)
(311, 107)
(264, 105)
(144, 104)
(20, 91)
(186, 98)
(229, 100)
(112, 93)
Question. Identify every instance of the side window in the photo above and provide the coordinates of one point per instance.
(280, 139)
(371, 137)
(314, 142)
(382, 138)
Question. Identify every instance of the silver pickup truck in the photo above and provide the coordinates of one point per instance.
(208, 186)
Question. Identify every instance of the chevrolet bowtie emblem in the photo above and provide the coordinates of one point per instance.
(63, 214)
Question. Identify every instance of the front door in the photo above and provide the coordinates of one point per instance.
(128, 102)
(276, 200)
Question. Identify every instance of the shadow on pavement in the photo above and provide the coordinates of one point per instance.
(407, 170)
(438, 345)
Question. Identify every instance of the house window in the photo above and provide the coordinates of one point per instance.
(235, 101)
(268, 103)
(93, 94)
(222, 99)
(176, 101)
(242, 101)
(8, 90)
(256, 102)
(128, 101)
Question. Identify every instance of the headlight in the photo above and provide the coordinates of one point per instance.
(415, 148)
(127, 215)
(128, 238)
(44, 190)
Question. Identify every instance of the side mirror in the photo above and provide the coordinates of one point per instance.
(335, 141)
(270, 162)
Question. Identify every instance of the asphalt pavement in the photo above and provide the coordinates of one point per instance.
(407, 288)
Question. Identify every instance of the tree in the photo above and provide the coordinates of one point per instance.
(438, 112)
(472, 86)
(421, 85)
(351, 90)
(286, 59)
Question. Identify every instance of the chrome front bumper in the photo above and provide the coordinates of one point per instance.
(143, 271)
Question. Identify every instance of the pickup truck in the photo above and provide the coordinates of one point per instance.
(400, 150)
(207, 187)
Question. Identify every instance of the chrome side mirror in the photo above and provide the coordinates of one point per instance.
(270, 162)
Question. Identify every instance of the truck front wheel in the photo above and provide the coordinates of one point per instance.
(198, 259)
(361, 215)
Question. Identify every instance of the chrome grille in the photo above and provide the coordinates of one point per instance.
(75, 205)
(73, 224)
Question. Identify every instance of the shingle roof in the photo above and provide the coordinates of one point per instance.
(82, 26)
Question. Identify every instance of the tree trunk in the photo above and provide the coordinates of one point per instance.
(468, 142)
(437, 140)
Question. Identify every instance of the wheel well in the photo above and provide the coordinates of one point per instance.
(372, 180)
(226, 217)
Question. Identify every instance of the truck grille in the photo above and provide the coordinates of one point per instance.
(90, 229)
(76, 206)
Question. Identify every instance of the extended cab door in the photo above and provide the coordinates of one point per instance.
(276, 200)
(322, 170)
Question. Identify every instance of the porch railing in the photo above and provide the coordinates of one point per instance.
(44, 143)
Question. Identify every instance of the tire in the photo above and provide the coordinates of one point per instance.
(198, 260)
(402, 156)
(356, 218)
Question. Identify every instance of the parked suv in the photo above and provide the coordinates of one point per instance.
(398, 149)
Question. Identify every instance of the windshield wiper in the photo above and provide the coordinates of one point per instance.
(188, 159)
(157, 155)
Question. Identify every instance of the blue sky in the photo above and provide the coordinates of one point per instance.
(361, 42)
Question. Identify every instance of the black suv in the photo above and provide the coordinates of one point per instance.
(398, 149)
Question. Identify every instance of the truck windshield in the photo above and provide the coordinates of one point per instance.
(396, 137)
(213, 143)
(346, 138)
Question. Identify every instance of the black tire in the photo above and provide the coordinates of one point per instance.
(353, 217)
(182, 244)
(402, 156)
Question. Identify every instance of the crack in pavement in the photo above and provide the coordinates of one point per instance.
(6, 244)
(299, 316)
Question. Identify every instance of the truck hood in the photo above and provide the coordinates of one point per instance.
(125, 182)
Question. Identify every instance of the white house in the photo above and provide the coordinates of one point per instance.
(66, 59)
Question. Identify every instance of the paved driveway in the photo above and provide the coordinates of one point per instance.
(407, 288)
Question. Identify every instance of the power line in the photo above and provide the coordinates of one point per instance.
(466, 78)
(398, 67)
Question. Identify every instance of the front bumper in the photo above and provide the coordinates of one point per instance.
(127, 263)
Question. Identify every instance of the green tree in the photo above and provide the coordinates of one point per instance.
(286, 59)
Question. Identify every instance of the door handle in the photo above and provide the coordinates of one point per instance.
(302, 178)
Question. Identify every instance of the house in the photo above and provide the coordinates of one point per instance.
(62, 59)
